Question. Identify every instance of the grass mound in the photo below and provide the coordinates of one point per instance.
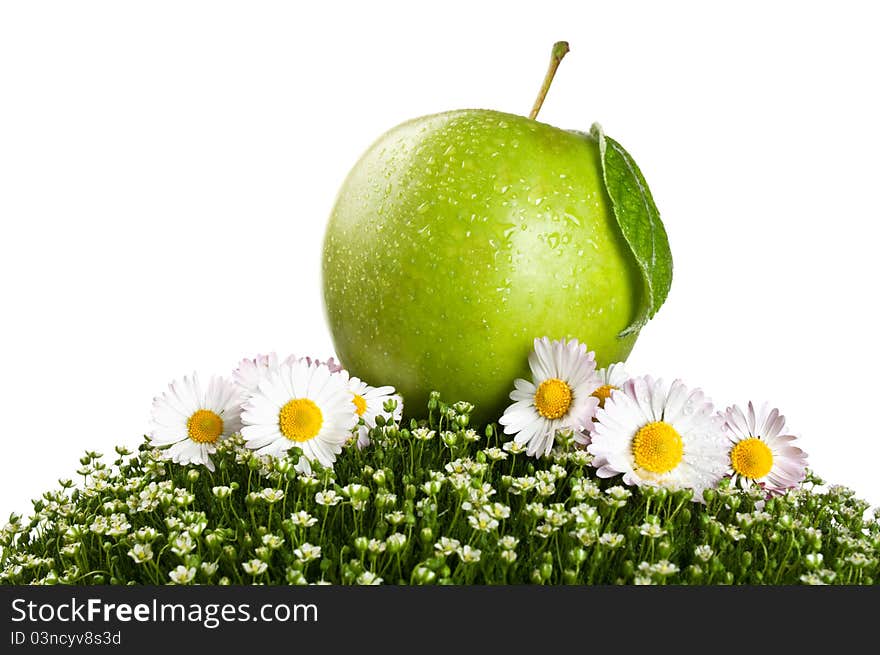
(435, 503)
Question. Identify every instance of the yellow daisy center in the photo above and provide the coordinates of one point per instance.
(360, 405)
(553, 398)
(751, 458)
(603, 393)
(300, 419)
(657, 447)
(204, 426)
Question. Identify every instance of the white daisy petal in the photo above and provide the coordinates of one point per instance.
(759, 452)
(367, 403)
(303, 404)
(687, 447)
(558, 398)
(188, 422)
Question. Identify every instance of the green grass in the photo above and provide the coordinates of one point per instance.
(561, 524)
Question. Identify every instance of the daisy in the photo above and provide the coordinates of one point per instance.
(610, 379)
(760, 450)
(564, 375)
(368, 404)
(251, 372)
(192, 421)
(659, 435)
(302, 405)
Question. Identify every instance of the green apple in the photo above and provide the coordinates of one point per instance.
(458, 238)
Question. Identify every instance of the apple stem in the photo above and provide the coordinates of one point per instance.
(560, 48)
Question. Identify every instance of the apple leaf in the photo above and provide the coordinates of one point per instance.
(639, 222)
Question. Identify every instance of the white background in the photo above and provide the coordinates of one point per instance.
(166, 170)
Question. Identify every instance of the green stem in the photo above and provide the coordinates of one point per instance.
(560, 48)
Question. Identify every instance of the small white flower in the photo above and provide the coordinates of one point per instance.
(812, 579)
(221, 492)
(272, 541)
(734, 533)
(299, 405)
(513, 447)
(307, 552)
(611, 539)
(652, 530)
(395, 518)
(302, 519)
(447, 546)
(254, 567)
(495, 454)
(558, 471)
(395, 542)
(188, 422)
(271, 496)
(580, 458)
(209, 568)
(375, 546)
(545, 489)
(814, 560)
(703, 552)
(70, 550)
(182, 544)
(432, 487)
(560, 398)
(556, 519)
(482, 522)
(182, 575)
(423, 434)
(664, 567)
(659, 435)
(859, 560)
(508, 542)
(498, 510)
(583, 488)
(471, 435)
(469, 555)
(355, 491)
(100, 525)
(519, 485)
(508, 556)
(760, 450)
(369, 578)
(141, 553)
(327, 498)
(618, 493)
(544, 530)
